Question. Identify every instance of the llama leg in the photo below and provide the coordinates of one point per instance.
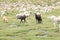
(24, 20)
(56, 25)
(21, 21)
(36, 21)
(39, 21)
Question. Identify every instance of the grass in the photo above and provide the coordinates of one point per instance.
(30, 30)
(14, 30)
(33, 1)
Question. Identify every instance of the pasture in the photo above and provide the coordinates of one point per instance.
(30, 30)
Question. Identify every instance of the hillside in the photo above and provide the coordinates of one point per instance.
(30, 30)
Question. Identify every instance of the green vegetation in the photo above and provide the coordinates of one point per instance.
(14, 30)
(33, 1)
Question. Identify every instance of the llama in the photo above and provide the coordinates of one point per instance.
(38, 17)
(56, 20)
(5, 19)
(22, 17)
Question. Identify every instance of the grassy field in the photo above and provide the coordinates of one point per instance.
(14, 30)
(33, 1)
(30, 30)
